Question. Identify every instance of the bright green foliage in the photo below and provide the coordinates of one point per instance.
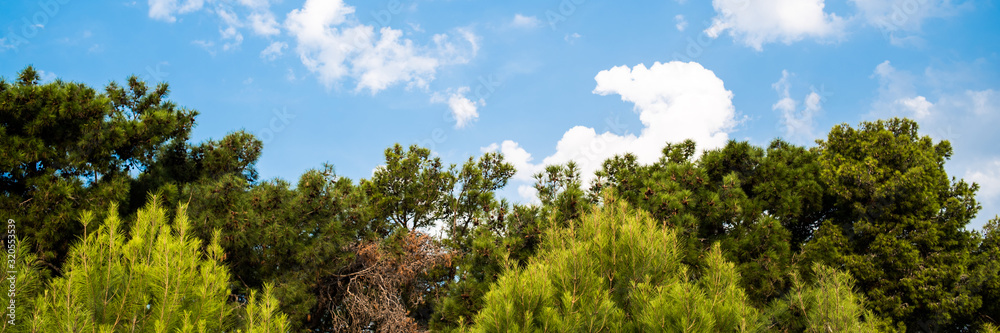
(707, 201)
(903, 221)
(66, 146)
(155, 280)
(262, 314)
(28, 281)
(827, 305)
(615, 270)
(494, 249)
(713, 303)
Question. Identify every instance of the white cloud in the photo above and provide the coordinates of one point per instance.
(983, 102)
(458, 48)
(529, 193)
(166, 9)
(264, 24)
(918, 106)
(462, 108)
(207, 45)
(517, 156)
(234, 37)
(987, 175)
(675, 101)
(756, 23)
(799, 124)
(525, 22)
(681, 22)
(333, 45)
(45, 77)
(273, 51)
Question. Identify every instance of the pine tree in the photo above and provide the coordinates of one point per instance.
(902, 221)
(616, 270)
(67, 147)
(829, 304)
(154, 280)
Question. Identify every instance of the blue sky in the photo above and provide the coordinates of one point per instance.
(542, 81)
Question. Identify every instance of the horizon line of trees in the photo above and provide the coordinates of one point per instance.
(863, 232)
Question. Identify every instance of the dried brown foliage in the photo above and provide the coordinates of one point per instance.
(385, 283)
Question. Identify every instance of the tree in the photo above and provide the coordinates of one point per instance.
(560, 191)
(986, 273)
(27, 276)
(384, 284)
(67, 147)
(295, 238)
(616, 270)
(903, 222)
(411, 190)
(156, 279)
(827, 305)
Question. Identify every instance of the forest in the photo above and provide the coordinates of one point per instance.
(118, 222)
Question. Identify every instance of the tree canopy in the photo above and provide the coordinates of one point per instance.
(125, 224)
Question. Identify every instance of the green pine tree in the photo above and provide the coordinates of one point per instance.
(156, 279)
(616, 270)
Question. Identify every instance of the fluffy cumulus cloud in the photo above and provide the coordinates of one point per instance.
(945, 111)
(332, 44)
(756, 23)
(799, 123)
(675, 101)
(463, 110)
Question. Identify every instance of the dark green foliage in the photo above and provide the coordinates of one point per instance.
(762, 254)
(903, 220)
(296, 238)
(410, 190)
(561, 192)
(986, 273)
(66, 146)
